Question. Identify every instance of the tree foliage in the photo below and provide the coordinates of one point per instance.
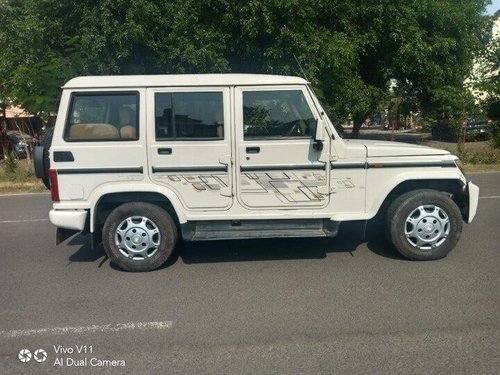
(349, 50)
(489, 78)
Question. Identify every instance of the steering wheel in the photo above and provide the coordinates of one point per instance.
(297, 127)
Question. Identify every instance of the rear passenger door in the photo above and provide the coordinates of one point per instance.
(189, 144)
(277, 163)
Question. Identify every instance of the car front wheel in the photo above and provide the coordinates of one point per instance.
(423, 224)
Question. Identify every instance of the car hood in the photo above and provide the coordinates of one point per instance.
(386, 148)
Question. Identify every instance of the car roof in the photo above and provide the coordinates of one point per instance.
(173, 80)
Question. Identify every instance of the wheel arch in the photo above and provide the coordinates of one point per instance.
(453, 186)
(109, 201)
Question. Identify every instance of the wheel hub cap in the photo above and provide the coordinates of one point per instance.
(137, 237)
(427, 227)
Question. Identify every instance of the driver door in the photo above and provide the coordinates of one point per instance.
(277, 165)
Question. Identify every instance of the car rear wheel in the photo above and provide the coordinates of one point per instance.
(423, 224)
(139, 236)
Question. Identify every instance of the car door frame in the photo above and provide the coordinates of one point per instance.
(193, 166)
(322, 156)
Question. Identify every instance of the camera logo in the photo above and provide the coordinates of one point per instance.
(24, 355)
(40, 355)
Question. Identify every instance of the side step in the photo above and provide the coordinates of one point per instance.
(243, 229)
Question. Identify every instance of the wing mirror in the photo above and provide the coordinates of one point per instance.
(319, 136)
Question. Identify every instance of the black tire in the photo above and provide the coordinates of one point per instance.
(126, 258)
(423, 225)
(47, 141)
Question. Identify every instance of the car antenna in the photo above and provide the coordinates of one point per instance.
(300, 66)
(305, 77)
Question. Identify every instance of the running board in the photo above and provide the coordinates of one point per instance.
(246, 229)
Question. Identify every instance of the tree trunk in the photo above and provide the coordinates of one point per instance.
(4, 141)
(357, 122)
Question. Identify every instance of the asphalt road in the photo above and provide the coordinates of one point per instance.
(251, 307)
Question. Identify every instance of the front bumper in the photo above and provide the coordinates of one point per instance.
(473, 191)
(68, 219)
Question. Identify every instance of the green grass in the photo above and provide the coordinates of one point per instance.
(485, 157)
(19, 177)
(476, 156)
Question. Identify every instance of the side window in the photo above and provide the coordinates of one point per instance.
(277, 114)
(103, 117)
(189, 115)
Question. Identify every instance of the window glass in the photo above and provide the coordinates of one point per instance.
(276, 114)
(189, 115)
(103, 117)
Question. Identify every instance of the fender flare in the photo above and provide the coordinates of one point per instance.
(106, 189)
(389, 185)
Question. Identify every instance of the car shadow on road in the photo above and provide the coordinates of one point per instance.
(351, 236)
(249, 250)
(381, 247)
(280, 249)
(85, 253)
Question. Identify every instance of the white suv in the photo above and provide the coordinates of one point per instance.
(141, 161)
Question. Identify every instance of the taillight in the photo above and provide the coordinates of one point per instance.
(54, 185)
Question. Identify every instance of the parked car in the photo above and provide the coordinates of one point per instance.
(478, 130)
(140, 162)
(475, 130)
(19, 144)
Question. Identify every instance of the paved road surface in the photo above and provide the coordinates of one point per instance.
(246, 307)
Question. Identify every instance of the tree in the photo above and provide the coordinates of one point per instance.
(348, 50)
(39, 52)
(435, 54)
(489, 78)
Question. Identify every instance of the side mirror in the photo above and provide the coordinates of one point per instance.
(319, 136)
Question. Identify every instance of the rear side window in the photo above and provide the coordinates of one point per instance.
(103, 117)
(277, 114)
(189, 116)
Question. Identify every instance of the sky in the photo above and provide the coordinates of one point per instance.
(493, 7)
